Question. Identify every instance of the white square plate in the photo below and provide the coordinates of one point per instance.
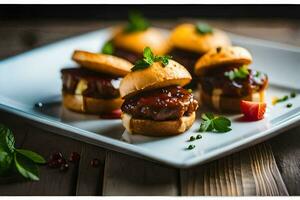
(34, 77)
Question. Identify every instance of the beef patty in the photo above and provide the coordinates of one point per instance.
(93, 84)
(254, 82)
(161, 104)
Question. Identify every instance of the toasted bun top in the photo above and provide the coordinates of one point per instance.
(155, 76)
(102, 63)
(186, 37)
(137, 41)
(222, 56)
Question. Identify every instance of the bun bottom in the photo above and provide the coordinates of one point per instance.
(229, 104)
(79, 103)
(157, 128)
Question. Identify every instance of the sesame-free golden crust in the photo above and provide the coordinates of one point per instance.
(137, 41)
(221, 56)
(155, 76)
(230, 104)
(157, 128)
(102, 63)
(185, 37)
(79, 103)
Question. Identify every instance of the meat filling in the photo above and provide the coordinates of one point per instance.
(90, 84)
(161, 104)
(238, 87)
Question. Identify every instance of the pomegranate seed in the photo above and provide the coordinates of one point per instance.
(74, 157)
(95, 162)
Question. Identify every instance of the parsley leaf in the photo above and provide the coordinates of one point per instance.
(217, 124)
(136, 22)
(140, 64)
(240, 73)
(5, 161)
(32, 156)
(203, 28)
(108, 48)
(7, 140)
(26, 167)
(20, 159)
(149, 59)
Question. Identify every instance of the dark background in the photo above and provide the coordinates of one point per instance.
(115, 12)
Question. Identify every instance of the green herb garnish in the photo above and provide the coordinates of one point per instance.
(198, 136)
(108, 48)
(203, 28)
(240, 73)
(136, 22)
(293, 94)
(24, 161)
(214, 123)
(191, 146)
(192, 138)
(149, 59)
(289, 105)
(278, 100)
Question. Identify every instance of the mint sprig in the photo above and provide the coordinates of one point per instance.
(24, 161)
(136, 22)
(149, 59)
(203, 28)
(213, 123)
(239, 73)
(108, 48)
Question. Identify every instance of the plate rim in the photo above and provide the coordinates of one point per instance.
(134, 150)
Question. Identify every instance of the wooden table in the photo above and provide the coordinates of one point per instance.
(269, 168)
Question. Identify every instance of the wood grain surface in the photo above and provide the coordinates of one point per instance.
(271, 168)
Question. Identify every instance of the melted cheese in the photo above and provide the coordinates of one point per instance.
(81, 86)
(256, 97)
(216, 96)
(126, 122)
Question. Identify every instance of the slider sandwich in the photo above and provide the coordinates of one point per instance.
(129, 41)
(156, 104)
(190, 41)
(93, 87)
(225, 79)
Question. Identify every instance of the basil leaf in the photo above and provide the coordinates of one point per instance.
(148, 54)
(7, 140)
(163, 59)
(136, 22)
(240, 73)
(214, 123)
(207, 116)
(203, 29)
(26, 167)
(140, 64)
(206, 126)
(5, 161)
(108, 48)
(222, 124)
(32, 156)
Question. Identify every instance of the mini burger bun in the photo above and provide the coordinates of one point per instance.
(102, 63)
(155, 76)
(90, 105)
(137, 41)
(222, 56)
(185, 37)
(230, 104)
(157, 128)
